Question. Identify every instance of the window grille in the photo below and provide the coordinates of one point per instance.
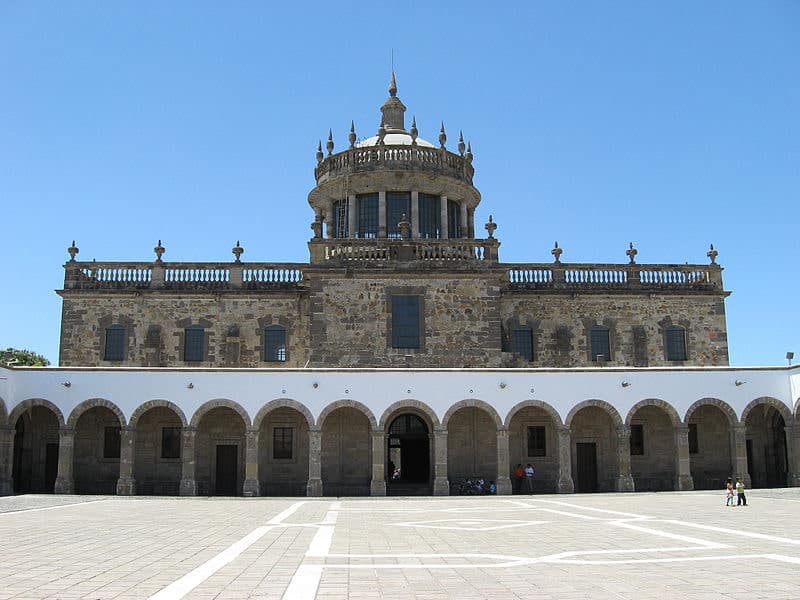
(537, 441)
(282, 442)
(115, 343)
(397, 205)
(600, 344)
(170, 442)
(275, 344)
(405, 322)
(194, 343)
(523, 342)
(676, 343)
(430, 216)
(367, 206)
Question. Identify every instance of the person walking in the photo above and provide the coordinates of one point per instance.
(729, 492)
(529, 478)
(519, 473)
(740, 497)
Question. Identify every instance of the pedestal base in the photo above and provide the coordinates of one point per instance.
(566, 486)
(6, 487)
(504, 486)
(625, 484)
(126, 487)
(188, 487)
(64, 486)
(377, 487)
(314, 488)
(684, 483)
(251, 488)
(441, 487)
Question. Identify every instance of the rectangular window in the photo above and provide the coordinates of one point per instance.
(430, 216)
(339, 218)
(115, 343)
(637, 440)
(282, 442)
(194, 344)
(537, 442)
(275, 344)
(523, 342)
(170, 442)
(453, 219)
(367, 206)
(694, 445)
(601, 348)
(405, 322)
(397, 205)
(676, 343)
(111, 442)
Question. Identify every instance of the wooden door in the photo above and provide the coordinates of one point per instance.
(587, 466)
(227, 463)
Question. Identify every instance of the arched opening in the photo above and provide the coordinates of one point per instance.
(157, 454)
(767, 458)
(408, 460)
(471, 446)
(219, 453)
(532, 438)
(709, 447)
(97, 451)
(594, 450)
(35, 465)
(346, 453)
(283, 453)
(653, 451)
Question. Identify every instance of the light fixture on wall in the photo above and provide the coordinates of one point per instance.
(67, 383)
(739, 382)
(190, 385)
(503, 385)
(626, 384)
(315, 385)
(789, 357)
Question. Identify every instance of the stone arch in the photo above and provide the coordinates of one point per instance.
(720, 404)
(601, 404)
(150, 404)
(29, 404)
(283, 403)
(784, 410)
(410, 405)
(94, 403)
(3, 413)
(473, 403)
(354, 404)
(551, 412)
(662, 404)
(219, 403)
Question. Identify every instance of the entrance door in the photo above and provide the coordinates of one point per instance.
(50, 467)
(587, 466)
(225, 483)
(408, 458)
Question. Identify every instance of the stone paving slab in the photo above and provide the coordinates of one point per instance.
(599, 546)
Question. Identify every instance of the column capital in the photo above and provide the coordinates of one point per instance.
(66, 431)
(127, 429)
(502, 432)
(623, 430)
(440, 430)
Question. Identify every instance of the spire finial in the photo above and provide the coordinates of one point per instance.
(414, 132)
(632, 252)
(329, 145)
(320, 156)
(352, 136)
(468, 155)
(442, 136)
(393, 85)
(461, 145)
(712, 254)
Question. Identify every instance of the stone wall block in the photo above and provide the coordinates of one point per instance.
(65, 483)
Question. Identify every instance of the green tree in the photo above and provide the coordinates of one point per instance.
(22, 358)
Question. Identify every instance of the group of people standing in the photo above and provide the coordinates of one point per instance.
(739, 487)
(523, 474)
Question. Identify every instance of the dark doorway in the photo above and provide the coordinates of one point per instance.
(586, 455)
(408, 457)
(227, 459)
(20, 471)
(50, 467)
(751, 464)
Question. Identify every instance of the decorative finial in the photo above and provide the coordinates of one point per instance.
(461, 143)
(320, 156)
(329, 145)
(491, 226)
(556, 252)
(468, 155)
(237, 251)
(442, 136)
(73, 250)
(352, 136)
(405, 227)
(393, 86)
(414, 132)
(159, 250)
(712, 254)
(632, 252)
(381, 133)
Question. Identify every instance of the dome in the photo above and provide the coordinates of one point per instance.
(394, 139)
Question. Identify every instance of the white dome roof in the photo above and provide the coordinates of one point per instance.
(394, 139)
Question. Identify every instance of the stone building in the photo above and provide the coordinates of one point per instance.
(402, 358)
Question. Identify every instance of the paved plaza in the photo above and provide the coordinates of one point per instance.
(603, 546)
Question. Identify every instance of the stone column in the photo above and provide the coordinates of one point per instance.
(564, 439)
(6, 460)
(314, 487)
(683, 463)
(330, 218)
(441, 487)
(251, 483)
(188, 483)
(126, 484)
(625, 479)
(445, 225)
(739, 453)
(377, 486)
(382, 214)
(414, 215)
(465, 225)
(503, 479)
(793, 451)
(352, 216)
(66, 446)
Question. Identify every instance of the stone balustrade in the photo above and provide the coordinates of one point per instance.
(181, 276)
(605, 276)
(398, 158)
(378, 252)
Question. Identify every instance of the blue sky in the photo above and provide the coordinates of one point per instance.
(672, 125)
